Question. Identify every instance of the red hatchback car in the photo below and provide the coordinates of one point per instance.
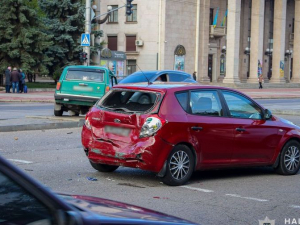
(175, 129)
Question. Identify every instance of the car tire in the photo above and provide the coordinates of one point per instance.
(103, 167)
(289, 162)
(58, 112)
(181, 156)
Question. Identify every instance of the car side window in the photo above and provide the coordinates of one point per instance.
(177, 77)
(183, 99)
(205, 103)
(17, 206)
(241, 107)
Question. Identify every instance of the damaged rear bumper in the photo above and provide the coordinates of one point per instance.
(145, 153)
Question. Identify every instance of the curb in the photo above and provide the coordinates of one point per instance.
(56, 125)
(286, 112)
(27, 100)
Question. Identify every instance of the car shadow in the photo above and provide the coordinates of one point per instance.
(232, 173)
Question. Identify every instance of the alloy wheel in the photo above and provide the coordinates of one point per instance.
(179, 165)
(291, 158)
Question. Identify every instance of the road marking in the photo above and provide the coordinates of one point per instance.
(249, 198)
(21, 161)
(295, 206)
(198, 189)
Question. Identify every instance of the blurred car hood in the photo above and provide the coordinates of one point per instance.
(117, 211)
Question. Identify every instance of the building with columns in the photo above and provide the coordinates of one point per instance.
(224, 41)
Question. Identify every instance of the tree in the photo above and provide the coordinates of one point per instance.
(22, 42)
(65, 21)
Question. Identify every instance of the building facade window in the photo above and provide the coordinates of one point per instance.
(131, 66)
(130, 43)
(211, 16)
(113, 18)
(112, 43)
(133, 16)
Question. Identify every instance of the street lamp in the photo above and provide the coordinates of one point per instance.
(269, 52)
(223, 49)
(288, 54)
(247, 52)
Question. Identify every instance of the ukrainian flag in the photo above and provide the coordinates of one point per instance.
(216, 18)
(224, 19)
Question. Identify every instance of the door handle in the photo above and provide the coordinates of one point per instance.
(82, 84)
(240, 129)
(197, 128)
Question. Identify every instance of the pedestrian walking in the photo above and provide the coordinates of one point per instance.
(194, 75)
(259, 74)
(260, 80)
(7, 79)
(15, 79)
(22, 81)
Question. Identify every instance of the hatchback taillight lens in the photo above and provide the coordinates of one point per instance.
(87, 123)
(58, 85)
(151, 126)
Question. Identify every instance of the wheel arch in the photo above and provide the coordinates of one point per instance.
(275, 165)
(191, 147)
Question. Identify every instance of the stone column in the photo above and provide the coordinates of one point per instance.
(279, 41)
(202, 74)
(257, 38)
(296, 50)
(233, 42)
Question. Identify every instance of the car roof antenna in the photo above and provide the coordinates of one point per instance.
(144, 74)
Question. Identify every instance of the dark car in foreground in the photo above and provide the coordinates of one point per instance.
(175, 129)
(25, 201)
(158, 76)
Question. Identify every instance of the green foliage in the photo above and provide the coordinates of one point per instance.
(35, 5)
(22, 42)
(65, 21)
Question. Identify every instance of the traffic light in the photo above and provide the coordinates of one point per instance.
(129, 7)
(82, 56)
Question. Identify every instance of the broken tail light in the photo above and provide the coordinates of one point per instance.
(58, 85)
(87, 123)
(151, 126)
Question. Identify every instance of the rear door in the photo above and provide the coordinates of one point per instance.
(84, 82)
(211, 127)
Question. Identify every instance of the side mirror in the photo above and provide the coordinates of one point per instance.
(267, 114)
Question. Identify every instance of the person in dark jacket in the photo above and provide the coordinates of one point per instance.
(15, 79)
(194, 75)
(7, 79)
(22, 80)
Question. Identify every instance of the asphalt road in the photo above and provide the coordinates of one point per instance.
(237, 196)
(19, 110)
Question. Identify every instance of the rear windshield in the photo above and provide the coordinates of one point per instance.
(97, 75)
(130, 101)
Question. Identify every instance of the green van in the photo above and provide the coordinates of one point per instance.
(80, 87)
